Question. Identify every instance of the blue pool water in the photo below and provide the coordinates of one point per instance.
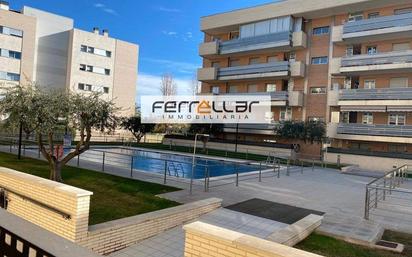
(181, 165)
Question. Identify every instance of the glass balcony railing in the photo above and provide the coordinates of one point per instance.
(254, 69)
(376, 94)
(375, 130)
(384, 22)
(398, 57)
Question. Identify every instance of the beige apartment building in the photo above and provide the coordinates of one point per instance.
(347, 63)
(46, 48)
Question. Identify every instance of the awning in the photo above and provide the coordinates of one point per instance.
(399, 108)
(350, 108)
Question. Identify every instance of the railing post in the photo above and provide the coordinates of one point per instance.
(104, 158)
(384, 188)
(390, 184)
(278, 163)
(260, 171)
(78, 160)
(367, 204)
(237, 175)
(287, 167)
(164, 175)
(38, 155)
(313, 164)
(338, 161)
(301, 167)
(205, 178)
(131, 167)
(376, 197)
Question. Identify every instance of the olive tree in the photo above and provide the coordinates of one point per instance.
(136, 127)
(50, 113)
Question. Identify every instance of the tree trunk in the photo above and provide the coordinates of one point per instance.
(56, 171)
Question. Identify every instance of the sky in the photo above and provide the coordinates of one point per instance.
(167, 31)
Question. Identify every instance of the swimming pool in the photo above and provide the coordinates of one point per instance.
(177, 164)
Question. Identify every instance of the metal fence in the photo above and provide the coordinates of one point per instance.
(378, 189)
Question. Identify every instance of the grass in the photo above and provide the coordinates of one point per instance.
(331, 247)
(113, 197)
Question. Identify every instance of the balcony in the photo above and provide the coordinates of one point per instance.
(259, 129)
(376, 29)
(376, 94)
(283, 41)
(400, 61)
(375, 130)
(256, 71)
(280, 98)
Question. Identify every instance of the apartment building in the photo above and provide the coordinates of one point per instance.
(347, 63)
(46, 48)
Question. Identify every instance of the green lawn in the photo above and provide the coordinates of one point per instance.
(331, 247)
(113, 197)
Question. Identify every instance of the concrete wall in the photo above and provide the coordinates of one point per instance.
(368, 162)
(52, 43)
(114, 235)
(33, 199)
(207, 240)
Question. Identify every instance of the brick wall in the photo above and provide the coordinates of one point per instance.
(44, 202)
(207, 240)
(114, 235)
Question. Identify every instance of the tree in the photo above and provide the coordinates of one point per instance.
(50, 113)
(135, 126)
(312, 131)
(168, 87)
(194, 86)
(209, 129)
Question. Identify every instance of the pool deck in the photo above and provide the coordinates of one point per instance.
(339, 196)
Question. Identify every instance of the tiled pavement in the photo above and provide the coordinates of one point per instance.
(171, 242)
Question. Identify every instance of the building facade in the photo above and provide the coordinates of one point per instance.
(347, 63)
(37, 46)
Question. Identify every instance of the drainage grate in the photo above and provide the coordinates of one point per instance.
(274, 211)
(387, 244)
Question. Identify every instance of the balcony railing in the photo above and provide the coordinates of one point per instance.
(261, 129)
(378, 23)
(375, 130)
(254, 69)
(254, 43)
(378, 59)
(274, 96)
(376, 94)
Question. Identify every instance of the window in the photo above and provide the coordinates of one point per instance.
(320, 60)
(367, 118)
(396, 119)
(234, 63)
(266, 27)
(403, 11)
(349, 51)
(216, 64)
(273, 59)
(105, 90)
(254, 60)
(11, 32)
(371, 50)
(398, 83)
(321, 31)
(80, 86)
(107, 71)
(215, 90)
(252, 88)
(401, 47)
(270, 87)
(88, 87)
(90, 68)
(83, 48)
(99, 70)
(395, 148)
(292, 56)
(369, 84)
(285, 114)
(234, 35)
(232, 89)
(10, 54)
(318, 90)
(96, 51)
(355, 17)
(345, 117)
(83, 67)
(9, 76)
(373, 15)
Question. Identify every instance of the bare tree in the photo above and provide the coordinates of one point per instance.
(168, 86)
(194, 86)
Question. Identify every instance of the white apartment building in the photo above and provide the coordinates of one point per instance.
(46, 48)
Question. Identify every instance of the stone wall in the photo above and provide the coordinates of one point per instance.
(114, 235)
(56, 207)
(207, 240)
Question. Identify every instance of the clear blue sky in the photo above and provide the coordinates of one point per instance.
(166, 30)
